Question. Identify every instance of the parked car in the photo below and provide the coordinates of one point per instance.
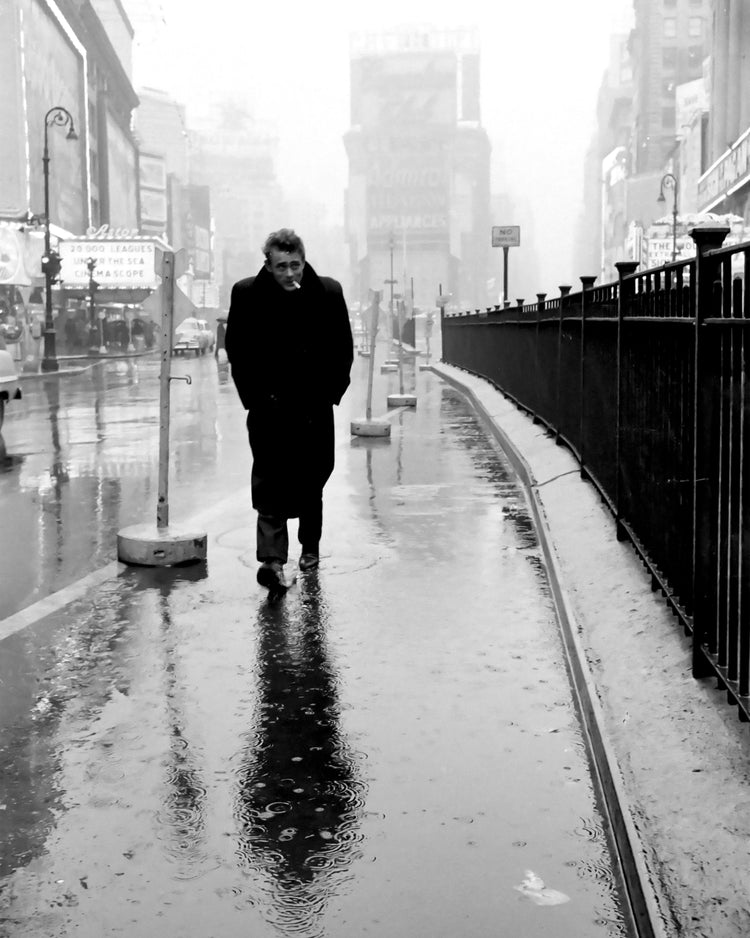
(193, 335)
(9, 387)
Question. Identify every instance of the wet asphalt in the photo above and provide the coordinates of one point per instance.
(390, 750)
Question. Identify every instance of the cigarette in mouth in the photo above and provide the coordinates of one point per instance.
(296, 285)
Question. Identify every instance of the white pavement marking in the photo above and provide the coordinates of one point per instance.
(68, 594)
(56, 601)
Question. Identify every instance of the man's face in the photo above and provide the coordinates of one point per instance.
(285, 267)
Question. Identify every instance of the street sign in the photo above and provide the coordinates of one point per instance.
(508, 236)
(443, 300)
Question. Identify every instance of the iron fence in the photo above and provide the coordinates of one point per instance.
(645, 380)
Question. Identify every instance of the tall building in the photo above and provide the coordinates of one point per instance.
(418, 199)
(603, 222)
(668, 44)
(162, 134)
(236, 156)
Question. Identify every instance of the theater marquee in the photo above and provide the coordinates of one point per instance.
(130, 263)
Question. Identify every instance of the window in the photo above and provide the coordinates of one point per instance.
(670, 27)
(669, 57)
(695, 27)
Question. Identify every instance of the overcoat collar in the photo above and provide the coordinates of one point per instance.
(263, 282)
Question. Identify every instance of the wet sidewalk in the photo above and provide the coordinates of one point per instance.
(390, 750)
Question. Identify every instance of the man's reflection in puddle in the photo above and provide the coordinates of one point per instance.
(300, 796)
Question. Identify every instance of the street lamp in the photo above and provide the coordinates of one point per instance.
(669, 181)
(60, 117)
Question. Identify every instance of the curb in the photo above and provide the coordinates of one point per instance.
(89, 360)
(640, 895)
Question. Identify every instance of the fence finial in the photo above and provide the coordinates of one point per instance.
(708, 237)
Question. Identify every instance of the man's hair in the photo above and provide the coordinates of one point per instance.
(285, 239)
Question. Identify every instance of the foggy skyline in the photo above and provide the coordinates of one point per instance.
(542, 65)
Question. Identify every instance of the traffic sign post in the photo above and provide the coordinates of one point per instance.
(506, 237)
(368, 426)
(401, 399)
(161, 546)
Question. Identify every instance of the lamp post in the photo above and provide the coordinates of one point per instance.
(669, 181)
(60, 117)
(391, 282)
(93, 287)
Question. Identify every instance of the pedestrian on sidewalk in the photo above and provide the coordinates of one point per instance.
(289, 345)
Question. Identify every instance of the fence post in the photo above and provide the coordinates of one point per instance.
(539, 307)
(587, 284)
(703, 591)
(564, 291)
(625, 291)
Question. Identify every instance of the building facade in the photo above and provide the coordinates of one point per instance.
(236, 157)
(668, 44)
(59, 59)
(657, 125)
(725, 185)
(418, 196)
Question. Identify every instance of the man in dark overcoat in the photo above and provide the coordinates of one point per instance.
(289, 345)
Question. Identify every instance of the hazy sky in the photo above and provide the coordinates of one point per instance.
(542, 62)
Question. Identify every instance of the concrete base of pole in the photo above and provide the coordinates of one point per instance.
(364, 427)
(402, 400)
(388, 369)
(147, 545)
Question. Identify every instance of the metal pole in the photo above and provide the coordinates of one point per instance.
(167, 315)
(400, 346)
(102, 346)
(91, 265)
(49, 361)
(674, 222)
(391, 282)
(506, 249)
(371, 365)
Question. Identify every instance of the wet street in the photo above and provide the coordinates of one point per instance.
(390, 750)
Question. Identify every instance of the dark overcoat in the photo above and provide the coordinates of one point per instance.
(290, 354)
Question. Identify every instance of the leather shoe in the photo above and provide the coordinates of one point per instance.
(308, 560)
(271, 575)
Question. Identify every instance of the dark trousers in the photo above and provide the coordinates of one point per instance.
(273, 535)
